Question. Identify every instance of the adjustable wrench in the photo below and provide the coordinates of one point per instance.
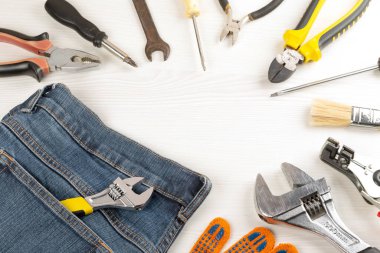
(309, 206)
(119, 194)
(154, 41)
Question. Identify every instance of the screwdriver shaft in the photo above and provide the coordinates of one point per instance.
(303, 86)
(199, 42)
(118, 52)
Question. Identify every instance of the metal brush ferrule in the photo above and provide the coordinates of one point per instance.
(365, 117)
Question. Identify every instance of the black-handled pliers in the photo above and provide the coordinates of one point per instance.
(233, 26)
(56, 58)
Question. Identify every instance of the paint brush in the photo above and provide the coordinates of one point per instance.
(328, 113)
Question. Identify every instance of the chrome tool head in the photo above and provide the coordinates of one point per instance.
(270, 206)
(309, 206)
(232, 28)
(365, 176)
(120, 194)
(284, 65)
(70, 59)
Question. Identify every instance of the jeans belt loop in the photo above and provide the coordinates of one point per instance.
(31, 103)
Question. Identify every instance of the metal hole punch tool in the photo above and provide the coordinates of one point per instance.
(297, 52)
(56, 58)
(233, 26)
(309, 206)
(365, 176)
(66, 14)
(119, 194)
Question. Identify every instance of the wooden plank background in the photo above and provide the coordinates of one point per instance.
(221, 123)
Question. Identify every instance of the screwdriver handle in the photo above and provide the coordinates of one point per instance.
(67, 15)
(192, 8)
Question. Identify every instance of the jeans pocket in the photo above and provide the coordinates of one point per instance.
(33, 220)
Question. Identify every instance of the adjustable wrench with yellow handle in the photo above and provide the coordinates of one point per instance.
(312, 49)
(119, 194)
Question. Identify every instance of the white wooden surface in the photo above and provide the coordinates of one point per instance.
(221, 123)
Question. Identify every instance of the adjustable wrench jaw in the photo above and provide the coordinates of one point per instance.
(308, 206)
(272, 207)
(120, 194)
(366, 178)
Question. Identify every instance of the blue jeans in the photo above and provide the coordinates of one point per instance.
(52, 147)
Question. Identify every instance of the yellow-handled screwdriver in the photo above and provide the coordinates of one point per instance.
(193, 11)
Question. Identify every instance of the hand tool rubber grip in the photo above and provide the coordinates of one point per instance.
(225, 5)
(38, 44)
(79, 206)
(265, 10)
(295, 38)
(312, 49)
(66, 14)
(370, 250)
(192, 8)
(35, 67)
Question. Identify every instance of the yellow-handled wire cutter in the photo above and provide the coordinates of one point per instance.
(119, 194)
(297, 52)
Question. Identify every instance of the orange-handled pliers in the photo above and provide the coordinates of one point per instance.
(56, 58)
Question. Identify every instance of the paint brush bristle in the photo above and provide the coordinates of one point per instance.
(327, 113)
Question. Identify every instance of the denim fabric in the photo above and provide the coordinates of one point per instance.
(52, 147)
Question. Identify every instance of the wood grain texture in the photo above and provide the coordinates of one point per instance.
(221, 123)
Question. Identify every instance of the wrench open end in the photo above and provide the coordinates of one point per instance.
(158, 46)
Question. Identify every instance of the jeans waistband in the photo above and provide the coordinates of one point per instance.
(167, 177)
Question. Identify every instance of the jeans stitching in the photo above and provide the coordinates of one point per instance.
(105, 246)
(3, 170)
(21, 178)
(175, 231)
(17, 127)
(41, 195)
(199, 197)
(100, 156)
(128, 233)
(40, 152)
(164, 240)
(24, 132)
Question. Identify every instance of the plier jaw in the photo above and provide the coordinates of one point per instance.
(232, 28)
(284, 65)
(365, 176)
(70, 59)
